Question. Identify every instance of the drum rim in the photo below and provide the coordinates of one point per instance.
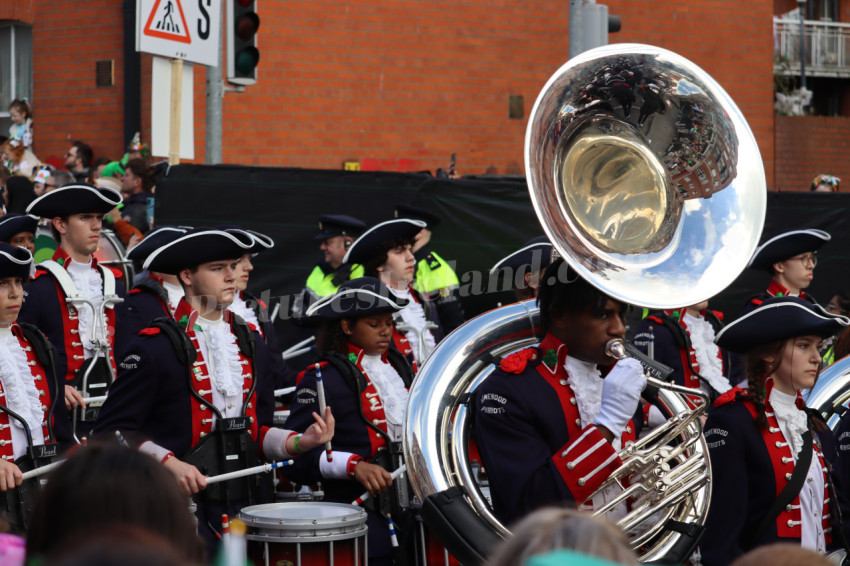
(294, 525)
(307, 538)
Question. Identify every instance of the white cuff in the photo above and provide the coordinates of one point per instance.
(338, 469)
(655, 418)
(154, 450)
(274, 444)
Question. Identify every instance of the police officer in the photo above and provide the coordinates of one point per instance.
(524, 268)
(790, 258)
(32, 416)
(72, 298)
(434, 277)
(194, 390)
(336, 234)
(548, 427)
(153, 295)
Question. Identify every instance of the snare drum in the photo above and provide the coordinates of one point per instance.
(110, 251)
(308, 533)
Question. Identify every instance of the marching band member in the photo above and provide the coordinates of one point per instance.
(385, 252)
(433, 276)
(151, 297)
(19, 230)
(366, 382)
(774, 464)
(790, 258)
(683, 339)
(31, 419)
(548, 427)
(256, 312)
(194, 390)
(66, 290)
(525, 267)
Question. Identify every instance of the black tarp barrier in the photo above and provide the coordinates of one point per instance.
(483, 220)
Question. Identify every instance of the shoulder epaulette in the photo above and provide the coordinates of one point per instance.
(39, 273)
(153, 331)
(115, 271)
(717, 314)
(134, 291)
(730, 397)
(311, 367)
(516, 363)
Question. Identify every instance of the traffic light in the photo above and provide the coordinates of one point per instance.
(242, 53)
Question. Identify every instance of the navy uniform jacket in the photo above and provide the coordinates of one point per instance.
(360, 429)
(152, 396)
(146, 301)
(43, 308)
(525, 421)
(744, 467)
(670, 349)
(282, 374)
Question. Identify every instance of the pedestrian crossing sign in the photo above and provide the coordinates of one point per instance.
(180, 29)
(167, 21)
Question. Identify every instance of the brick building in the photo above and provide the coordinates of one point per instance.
(394, 84)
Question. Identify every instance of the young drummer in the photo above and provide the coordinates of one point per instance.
(762, 440)
(194, 391)
(385, 250)
(366, 382)
(31, 419)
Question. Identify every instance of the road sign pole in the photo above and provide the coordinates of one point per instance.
(176, 95)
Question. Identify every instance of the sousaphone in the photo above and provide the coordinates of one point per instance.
(648, 181)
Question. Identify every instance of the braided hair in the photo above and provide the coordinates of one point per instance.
(757, 370)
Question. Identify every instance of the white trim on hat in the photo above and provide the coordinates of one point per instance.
(519, 251)
(811, 232)
(262, 239)
(224, 233)
(13, 259)
(95, 190)
(11, 217)
(823, 315)
(418, 223)
(324, 301)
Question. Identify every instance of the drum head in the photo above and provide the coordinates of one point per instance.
(297, 521)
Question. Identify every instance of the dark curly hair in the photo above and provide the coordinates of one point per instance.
(379, 256)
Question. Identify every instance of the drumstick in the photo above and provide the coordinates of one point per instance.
(401, 469)
(248, 471)
(225, 524)
(393, 538)
(90, 400)
(320, 389)
(120, 438)
(42, 470)
(284, 391)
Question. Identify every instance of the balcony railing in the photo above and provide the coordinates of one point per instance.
(827, 48)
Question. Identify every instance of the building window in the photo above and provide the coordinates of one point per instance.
(15, 67)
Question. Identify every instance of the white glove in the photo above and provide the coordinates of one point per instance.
(621, 391)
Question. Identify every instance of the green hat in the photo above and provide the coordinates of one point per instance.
(112, 169)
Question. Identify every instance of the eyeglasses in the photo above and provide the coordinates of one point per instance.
(805, 259)
(832, 308)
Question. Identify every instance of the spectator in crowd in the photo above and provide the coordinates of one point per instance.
(4, 176)
(825, 184)
(553, 528)
(40, 179)
(21, 115)
(97, 168)
(20, 193)
(782, 554)
(136, 185)
(18, 159)
(78, 160)
(127, 233)
(61, 179)
(102, 486)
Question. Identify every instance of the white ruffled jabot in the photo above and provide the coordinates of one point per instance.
(175, 293)
(390, 387)
(792, 420)
(414, 315)
(16, 375)
(710, 365)
(585, 379)
(88, 282)
(240, 307)
(222, 357)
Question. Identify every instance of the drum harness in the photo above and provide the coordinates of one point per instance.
(395, 500)
(96, 374)
(230, 446)
(18, 503)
